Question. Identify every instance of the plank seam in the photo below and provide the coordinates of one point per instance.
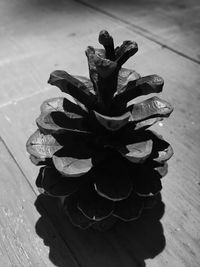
(22, 172)
(15, 100)
(12, 156)
(139, 30)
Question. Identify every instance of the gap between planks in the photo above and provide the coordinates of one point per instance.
(139, 30)
(42, 206)
(14, 101)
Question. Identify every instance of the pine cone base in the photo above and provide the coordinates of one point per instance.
(105, 224)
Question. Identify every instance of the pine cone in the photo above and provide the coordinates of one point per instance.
(96, 151)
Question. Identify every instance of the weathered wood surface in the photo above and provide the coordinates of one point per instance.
(170, 23)
(20, 244)
(38, 37)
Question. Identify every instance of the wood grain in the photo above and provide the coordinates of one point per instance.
(42, 40)
(19, 242)
(172, 24)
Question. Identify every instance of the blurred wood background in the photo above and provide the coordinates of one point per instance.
(39, 36)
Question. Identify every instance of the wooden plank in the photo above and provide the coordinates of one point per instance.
(174, 24)
(20, 245)
(38, 38)
(181, 190)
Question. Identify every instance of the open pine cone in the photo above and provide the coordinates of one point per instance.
(95, 147)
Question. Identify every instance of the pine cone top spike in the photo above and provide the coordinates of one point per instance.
(97, 152)
(107, 41)
(104, 68)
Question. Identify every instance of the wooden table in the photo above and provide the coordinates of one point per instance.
(40, 36)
